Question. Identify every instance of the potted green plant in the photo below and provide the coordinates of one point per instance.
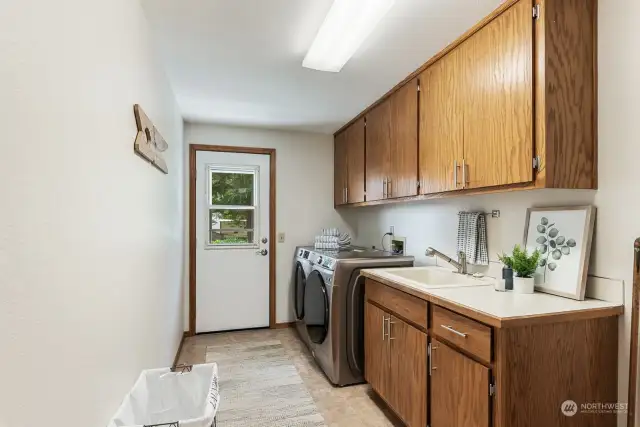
(524, 265)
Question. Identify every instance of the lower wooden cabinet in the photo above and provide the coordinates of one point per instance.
(459, 389)
(376, 355)
(481, 374)
(396, 364)
(408, 372)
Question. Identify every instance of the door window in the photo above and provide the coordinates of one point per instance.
(232, 208)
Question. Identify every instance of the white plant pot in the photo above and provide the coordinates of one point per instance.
(523, 285)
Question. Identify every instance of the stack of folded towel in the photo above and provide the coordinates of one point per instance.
(331, 239)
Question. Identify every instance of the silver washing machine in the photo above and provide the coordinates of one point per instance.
(334, 309)
(302, 266)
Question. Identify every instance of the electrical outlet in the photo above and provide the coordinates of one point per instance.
(392, 230)
(280, 237)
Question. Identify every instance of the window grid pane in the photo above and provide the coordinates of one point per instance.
(232, 208)
(232, 188)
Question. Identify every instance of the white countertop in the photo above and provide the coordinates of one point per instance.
(506, 305)
(484, 299)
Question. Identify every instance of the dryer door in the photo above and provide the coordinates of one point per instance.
(298, 292)
(316, 307)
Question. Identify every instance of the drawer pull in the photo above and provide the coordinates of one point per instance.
(450, 329)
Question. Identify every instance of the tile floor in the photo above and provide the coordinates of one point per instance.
(341, 407)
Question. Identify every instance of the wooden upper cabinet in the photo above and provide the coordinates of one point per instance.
(348, 164)
(408, 357)
(378, 143)
(403, 173)
(566, 94)
(459, 389)
(497, 100)
(441, 126)
(355, 157)
(511, 103)
(340, 173)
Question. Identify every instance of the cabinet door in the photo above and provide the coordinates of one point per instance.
(498, 97)
(441, 125)
(408, 363)
(376, 349)
(377, 153)
(404, 142)
(340, 168)
(355, 158)
(459, 389)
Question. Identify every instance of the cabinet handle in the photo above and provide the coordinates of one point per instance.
(384, 188)
(450, 329)
(346, 195)
(430, 350)
(464, 174)
(455, 174)
(389, 323)
(383, 322)
(389, 188)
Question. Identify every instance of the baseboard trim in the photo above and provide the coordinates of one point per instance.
(284, 325)
(185, 334)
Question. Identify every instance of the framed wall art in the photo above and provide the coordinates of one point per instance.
(563, 236)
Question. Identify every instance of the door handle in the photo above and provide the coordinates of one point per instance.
(389, 323)
(262, 252)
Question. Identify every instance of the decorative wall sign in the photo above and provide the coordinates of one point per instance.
(563, 237)
(149, 144)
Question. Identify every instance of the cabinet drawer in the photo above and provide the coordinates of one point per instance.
(467, 334)
(404, 305)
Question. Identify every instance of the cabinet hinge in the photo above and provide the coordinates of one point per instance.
(536, 11)
(492, 389)
(536, 162)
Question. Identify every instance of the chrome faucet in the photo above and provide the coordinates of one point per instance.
(460, 265)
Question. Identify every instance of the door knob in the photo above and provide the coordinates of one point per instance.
(262, 252)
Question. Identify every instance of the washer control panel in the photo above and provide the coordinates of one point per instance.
(323, 260)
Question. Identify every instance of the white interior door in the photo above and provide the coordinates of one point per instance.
(232, 229)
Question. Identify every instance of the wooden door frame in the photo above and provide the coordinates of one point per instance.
(271, 152)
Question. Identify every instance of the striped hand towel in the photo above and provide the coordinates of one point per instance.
(472, 237)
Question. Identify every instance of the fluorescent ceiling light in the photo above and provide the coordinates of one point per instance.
(346, 26)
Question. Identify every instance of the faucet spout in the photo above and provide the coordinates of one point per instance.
(460, 265)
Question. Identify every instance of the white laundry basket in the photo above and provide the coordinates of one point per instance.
(188, 397)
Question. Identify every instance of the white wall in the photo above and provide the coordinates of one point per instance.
(618, 198)
(91, 236)
(304, 191)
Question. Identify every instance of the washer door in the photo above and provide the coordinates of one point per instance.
(316, 308)
(298, 293)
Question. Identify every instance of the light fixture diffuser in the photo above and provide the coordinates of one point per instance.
(345, 28)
